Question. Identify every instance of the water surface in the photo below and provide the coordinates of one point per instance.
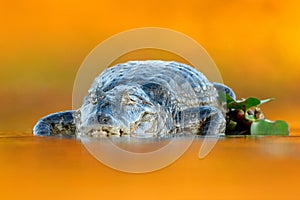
(237, 168)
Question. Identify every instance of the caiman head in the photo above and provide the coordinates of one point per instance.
(123, 110)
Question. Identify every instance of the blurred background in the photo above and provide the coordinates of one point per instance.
(255, 45)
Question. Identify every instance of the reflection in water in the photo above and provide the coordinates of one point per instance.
(142, 161)
(140, 145)
(238, 167)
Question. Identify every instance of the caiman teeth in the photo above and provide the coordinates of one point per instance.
(110, 131)
(106, 131)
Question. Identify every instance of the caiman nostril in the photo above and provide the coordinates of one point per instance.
(104, 119)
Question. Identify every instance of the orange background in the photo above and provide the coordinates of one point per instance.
(255, 44)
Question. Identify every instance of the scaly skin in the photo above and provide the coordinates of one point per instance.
(144, 99)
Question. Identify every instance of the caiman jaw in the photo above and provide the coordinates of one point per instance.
(105, 131)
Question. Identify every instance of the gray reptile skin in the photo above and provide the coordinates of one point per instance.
(144, 99)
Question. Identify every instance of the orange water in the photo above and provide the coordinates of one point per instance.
(255, 44)
(237, 168)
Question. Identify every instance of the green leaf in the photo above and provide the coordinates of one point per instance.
(229, 99)
(251, 102)
(266, 127)
(223, 97)
(244, 104)
(235, 105)
(258, 126)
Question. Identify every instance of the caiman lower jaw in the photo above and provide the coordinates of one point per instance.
(105, 131)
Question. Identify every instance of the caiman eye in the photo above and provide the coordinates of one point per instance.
(131, 101)
(146, 117)
(128, 99)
